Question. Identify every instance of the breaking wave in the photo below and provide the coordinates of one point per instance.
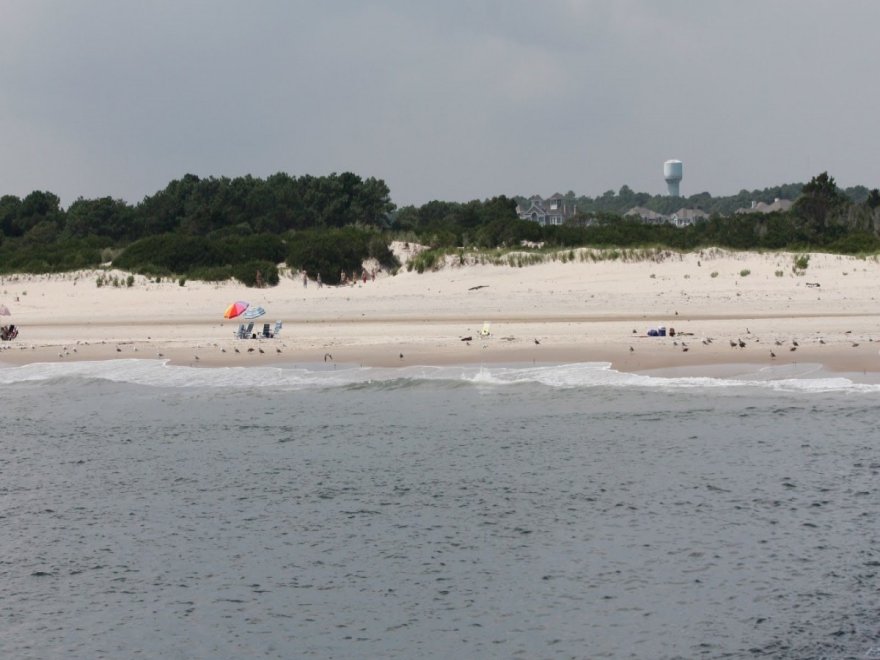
(159, 373)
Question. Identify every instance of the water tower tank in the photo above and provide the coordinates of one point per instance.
(672, 173)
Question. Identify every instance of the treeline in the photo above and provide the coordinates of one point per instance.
(210, 228)
(620, 202)
(823, 217)
(218, 228)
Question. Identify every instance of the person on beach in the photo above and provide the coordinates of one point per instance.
(305, 279)
(318, 280)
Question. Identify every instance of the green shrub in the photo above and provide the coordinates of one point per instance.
(212, 274)
(331, 252)
(256, 273)
(171, 253)
(857, 243)
(425, 260)
(714, 274)
(801, 261)
(259, 247)
(745, 272)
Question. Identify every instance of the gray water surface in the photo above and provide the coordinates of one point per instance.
(410, 518)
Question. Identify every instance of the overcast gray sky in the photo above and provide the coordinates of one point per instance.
(447, 99)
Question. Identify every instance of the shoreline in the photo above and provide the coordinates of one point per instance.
(663, 355)
(727, 308)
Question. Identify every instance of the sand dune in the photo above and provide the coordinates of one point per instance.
(558, 311)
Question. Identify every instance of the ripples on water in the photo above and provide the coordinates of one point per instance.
(466, 514)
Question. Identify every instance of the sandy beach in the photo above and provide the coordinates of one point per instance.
(726, 307)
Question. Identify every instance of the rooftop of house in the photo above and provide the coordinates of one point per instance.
(762, 207)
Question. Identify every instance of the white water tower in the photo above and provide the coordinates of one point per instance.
(672, 173)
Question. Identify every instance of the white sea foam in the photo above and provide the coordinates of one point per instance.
(158, 373)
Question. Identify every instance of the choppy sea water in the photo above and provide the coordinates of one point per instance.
(564, 511)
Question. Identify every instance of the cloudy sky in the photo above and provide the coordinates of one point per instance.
(443, 99)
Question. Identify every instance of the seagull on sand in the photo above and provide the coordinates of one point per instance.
(262, 351)
(401, 356)
(732, 344)
(794, 341)
(793, 348)
(632, 350)
(742, 344)
(251, 350)
(772, 354)
(537, 342)
(277, 350)
(237, 351)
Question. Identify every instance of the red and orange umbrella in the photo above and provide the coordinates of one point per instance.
(235, 309)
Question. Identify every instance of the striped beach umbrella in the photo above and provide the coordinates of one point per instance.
(235, 309)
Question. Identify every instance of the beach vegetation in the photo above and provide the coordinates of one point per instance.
(779, 273)
(425, 260)
(714, 274)
(256, 273)
(210, 227)
(745, 272)
(337, 254)
(801, 262)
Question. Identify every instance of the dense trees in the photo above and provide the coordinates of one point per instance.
(625, 199)
(194, 225)
(216, 228)
(336, 253)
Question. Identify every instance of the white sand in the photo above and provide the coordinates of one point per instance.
(577, 310)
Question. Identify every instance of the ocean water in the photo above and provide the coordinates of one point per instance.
(558, 511)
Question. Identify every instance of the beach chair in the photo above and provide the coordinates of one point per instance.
(267, 333)
(277, 330)
(244, 331)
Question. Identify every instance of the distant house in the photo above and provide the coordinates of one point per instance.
(687, 217)
(681, 218)
(646, 215)
(554, 210)
(781, 205)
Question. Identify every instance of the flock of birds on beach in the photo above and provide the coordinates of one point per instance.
(792, 344)
(740, 343)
